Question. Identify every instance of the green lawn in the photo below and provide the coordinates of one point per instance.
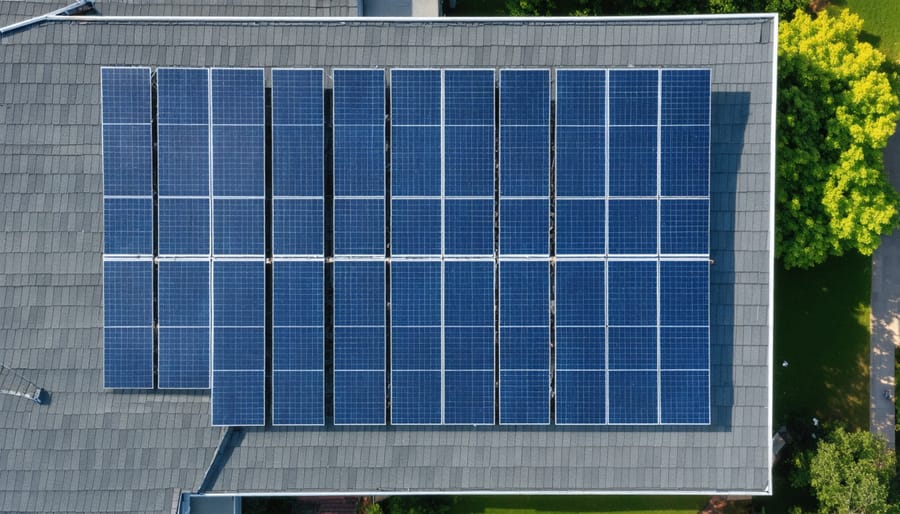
(578, 504)
(881, 23)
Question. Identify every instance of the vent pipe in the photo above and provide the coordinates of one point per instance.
(79, 7)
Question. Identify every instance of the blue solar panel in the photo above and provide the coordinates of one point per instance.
(632, 227)
(415, 342)
(128, 226)
(684, 293)
(183, 152)
(632, 161)
(182, 96)
(469, 160)
(359, 97)
(684, 348)
(298, 343)
(468, 227)
(359, 160)
(238, 343)
(238, 227)
(580, 226)
(580, 161)
(238, 96)
(297, 226)
(685, 97)
(580, 397)
(631, 293)
(183, 324)
(297, 152)
(359, 342)
(359, 226)
(125, 95)
(524, 160)
(416, 160)
(524, 342)
(415, 97)
(684, 226)
(633, 97)
(297, 97)
(128, 324)
(469, 397)
(684, 397)
(684, 161)
(580, 97)
(238, 160)
(633, 397)
(632, 347)
(415, 227)
(127, 159)
(469, 97)
(183, 226)
(524, 97)
(524, 226)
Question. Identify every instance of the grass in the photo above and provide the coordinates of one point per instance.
(881, 23)
(578, 504)
(822, 331)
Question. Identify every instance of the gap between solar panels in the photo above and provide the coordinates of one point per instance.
(450, 304)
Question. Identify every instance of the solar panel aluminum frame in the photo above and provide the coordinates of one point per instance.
(103, 163)
(494, 347)
(499, 336)
(444, 196)
(152, 326)
(276, 196)
(499, 131)
(209, 197)
(337, 197)
(212, 346)
(272, 376)
(213, 196)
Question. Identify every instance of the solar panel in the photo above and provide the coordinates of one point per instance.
(238, 154)
(580, 337)
(359, 162)
(524, 162)
(468, 162)
(238, 385)
(297, 162)
(359, 342)
(127, 158)
(183, 324)
(128, 324)
(524, 342)
(415, 342)
(298, 338)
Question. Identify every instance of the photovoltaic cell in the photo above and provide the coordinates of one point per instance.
(524, 342)
(684, 293)
(684, 160)
(469, 342)
(128, 226)
(633, 97)
(469, 226)
(416, 226)
(183, 324)
(631, 293)
(684, 397)
(632, 227)
(359, 343)
(127, 159)
(632, 161)
(359, 226)
(684, 226)
(298, 340)
(633, 397)
(415, 342)
(183, 226)
(128, 324)
(238, 343)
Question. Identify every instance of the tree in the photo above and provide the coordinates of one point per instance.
(850, 472)
(835, 114)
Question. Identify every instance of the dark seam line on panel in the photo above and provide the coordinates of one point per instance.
(269, 265)
(154, 178)
(496, 256)
(387, 254)
(328, 236)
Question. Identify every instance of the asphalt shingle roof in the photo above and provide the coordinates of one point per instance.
(92, 450)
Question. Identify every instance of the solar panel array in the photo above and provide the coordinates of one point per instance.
(466, 289)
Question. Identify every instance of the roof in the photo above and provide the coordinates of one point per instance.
(92, 450)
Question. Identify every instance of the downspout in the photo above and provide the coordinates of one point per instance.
(79, 7)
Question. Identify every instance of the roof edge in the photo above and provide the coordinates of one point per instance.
(500, 492)
(414, 20)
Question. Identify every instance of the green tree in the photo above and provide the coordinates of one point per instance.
(836, 112)
(849, 472)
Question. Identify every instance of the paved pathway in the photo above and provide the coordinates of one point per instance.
(885, 314)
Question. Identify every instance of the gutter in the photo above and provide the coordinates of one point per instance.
(79, 7)
(411, 20)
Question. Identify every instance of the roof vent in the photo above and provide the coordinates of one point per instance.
(14, 384)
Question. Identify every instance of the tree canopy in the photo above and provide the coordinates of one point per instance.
(836, 111)
(850, 472)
